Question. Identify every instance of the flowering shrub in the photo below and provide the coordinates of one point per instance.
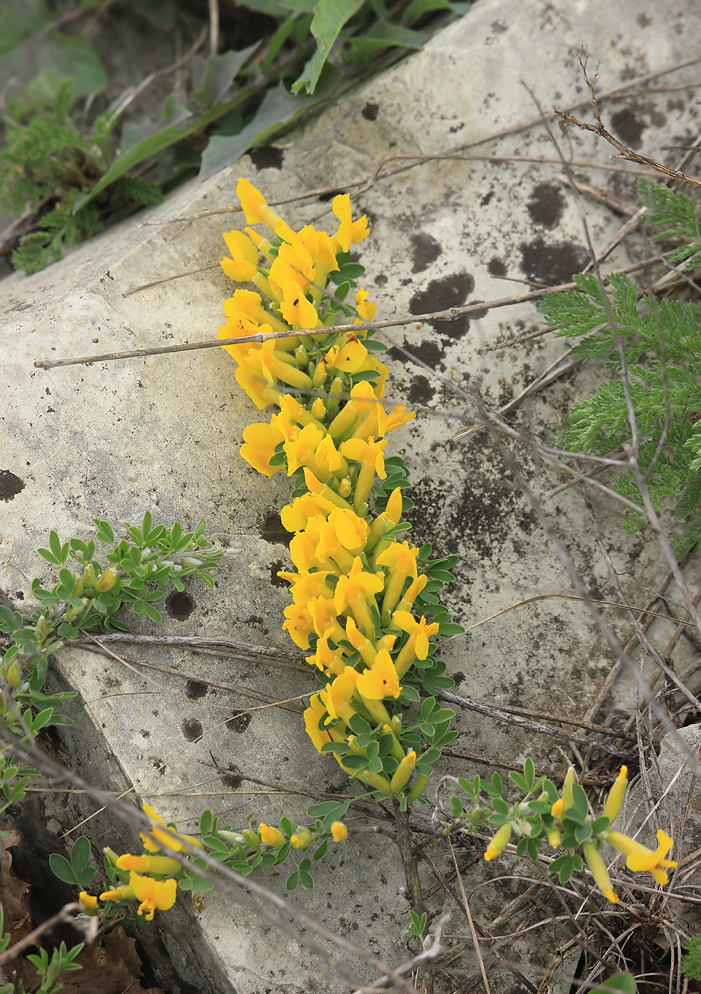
(363, 602)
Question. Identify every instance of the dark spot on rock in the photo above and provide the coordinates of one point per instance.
(370, 111)
(145, 733)
(380, 279)
(329, 195)
(195, 689)
(19, 594)
(428, 351)
(180, 605)
(546, 204)
(628, 127)
(481, 516)
(420, 391)
(192, 729)
(50, 410)
(10, 485)
(439, 295)
(496, 267)
(498, 27)
(233, 778)
(459, 677)
(487, 198)
(239, 721)
(552, 264)
(425, 251)
(268, 157)
(277, 581)
(643, 20)
(272, 530)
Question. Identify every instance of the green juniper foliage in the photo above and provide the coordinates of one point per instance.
(691, 964)
(661, 344)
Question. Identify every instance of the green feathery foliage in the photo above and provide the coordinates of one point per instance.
(660, 344)
(46, 166)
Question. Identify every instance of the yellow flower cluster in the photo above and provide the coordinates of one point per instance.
(565, 820)
(354, 588)
(151, 878)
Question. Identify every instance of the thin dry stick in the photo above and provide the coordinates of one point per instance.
(468, 913)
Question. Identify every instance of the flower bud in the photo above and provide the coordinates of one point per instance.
(339, 831)
(252, 839)
(43, 628)
(88, 903)
(89, 575)
(567, 796)
(14, 675)
(418, 787)
(77, 586)
(614, 802)
(499, 842)
(111, 855)
(599, 871)
(234, 837)
(554, 837)
(160, 865)
(403, 772)
(302, 838)
(301, 357)
(106, 581)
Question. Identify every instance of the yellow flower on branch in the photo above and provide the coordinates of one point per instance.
(640, 859)
(296, 309)
(260, 441)
(599, 871)
(158, 839)
(339, 831)
(243, 264)
(337, 696)
(349, 231)
(356, 592)
(312, 717)
(400, 562)
(380, 680)
(153, 894)
(254, 206)
(160, 865)
(365, 308)
(271, 836)
(498, 843)
(614, 802)
(418, 644)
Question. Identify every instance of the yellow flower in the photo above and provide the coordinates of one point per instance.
(558, 808)
(380, 680)
(365, 308)
(339, 831)
(614, 802)
(157, 839)
(260, 441)
(153, 894)
(370, 455)
(640, 859)
(302, 838)
(271, 836)
(347, 359)
(336, 696)
(554, 837)
(160, 865)
(599, 871)
(355, 592)
(88, 903)
(254, 205)
(499, 842)
(301, 451)
(348, 230)
(312, 717)
(295, 516)
(419, 634)
(296, 309)
(298, 624)
(242, 266)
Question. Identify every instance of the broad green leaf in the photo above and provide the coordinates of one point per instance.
(219, 74)
(384, 35)
(80, 855)
(417, 8)
(278, 109)
(329, 18)
(150, 146)
(619, 983)
(62, 869)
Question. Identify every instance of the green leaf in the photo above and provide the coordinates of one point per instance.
(329, 18)
(383, 35)
(292, 881)
(220, 72)
(417, 8)
(61, 868)
(160, 14)
(80, 855)
(48, 57)
(155, 143)
(619, 983)
(277, 110)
